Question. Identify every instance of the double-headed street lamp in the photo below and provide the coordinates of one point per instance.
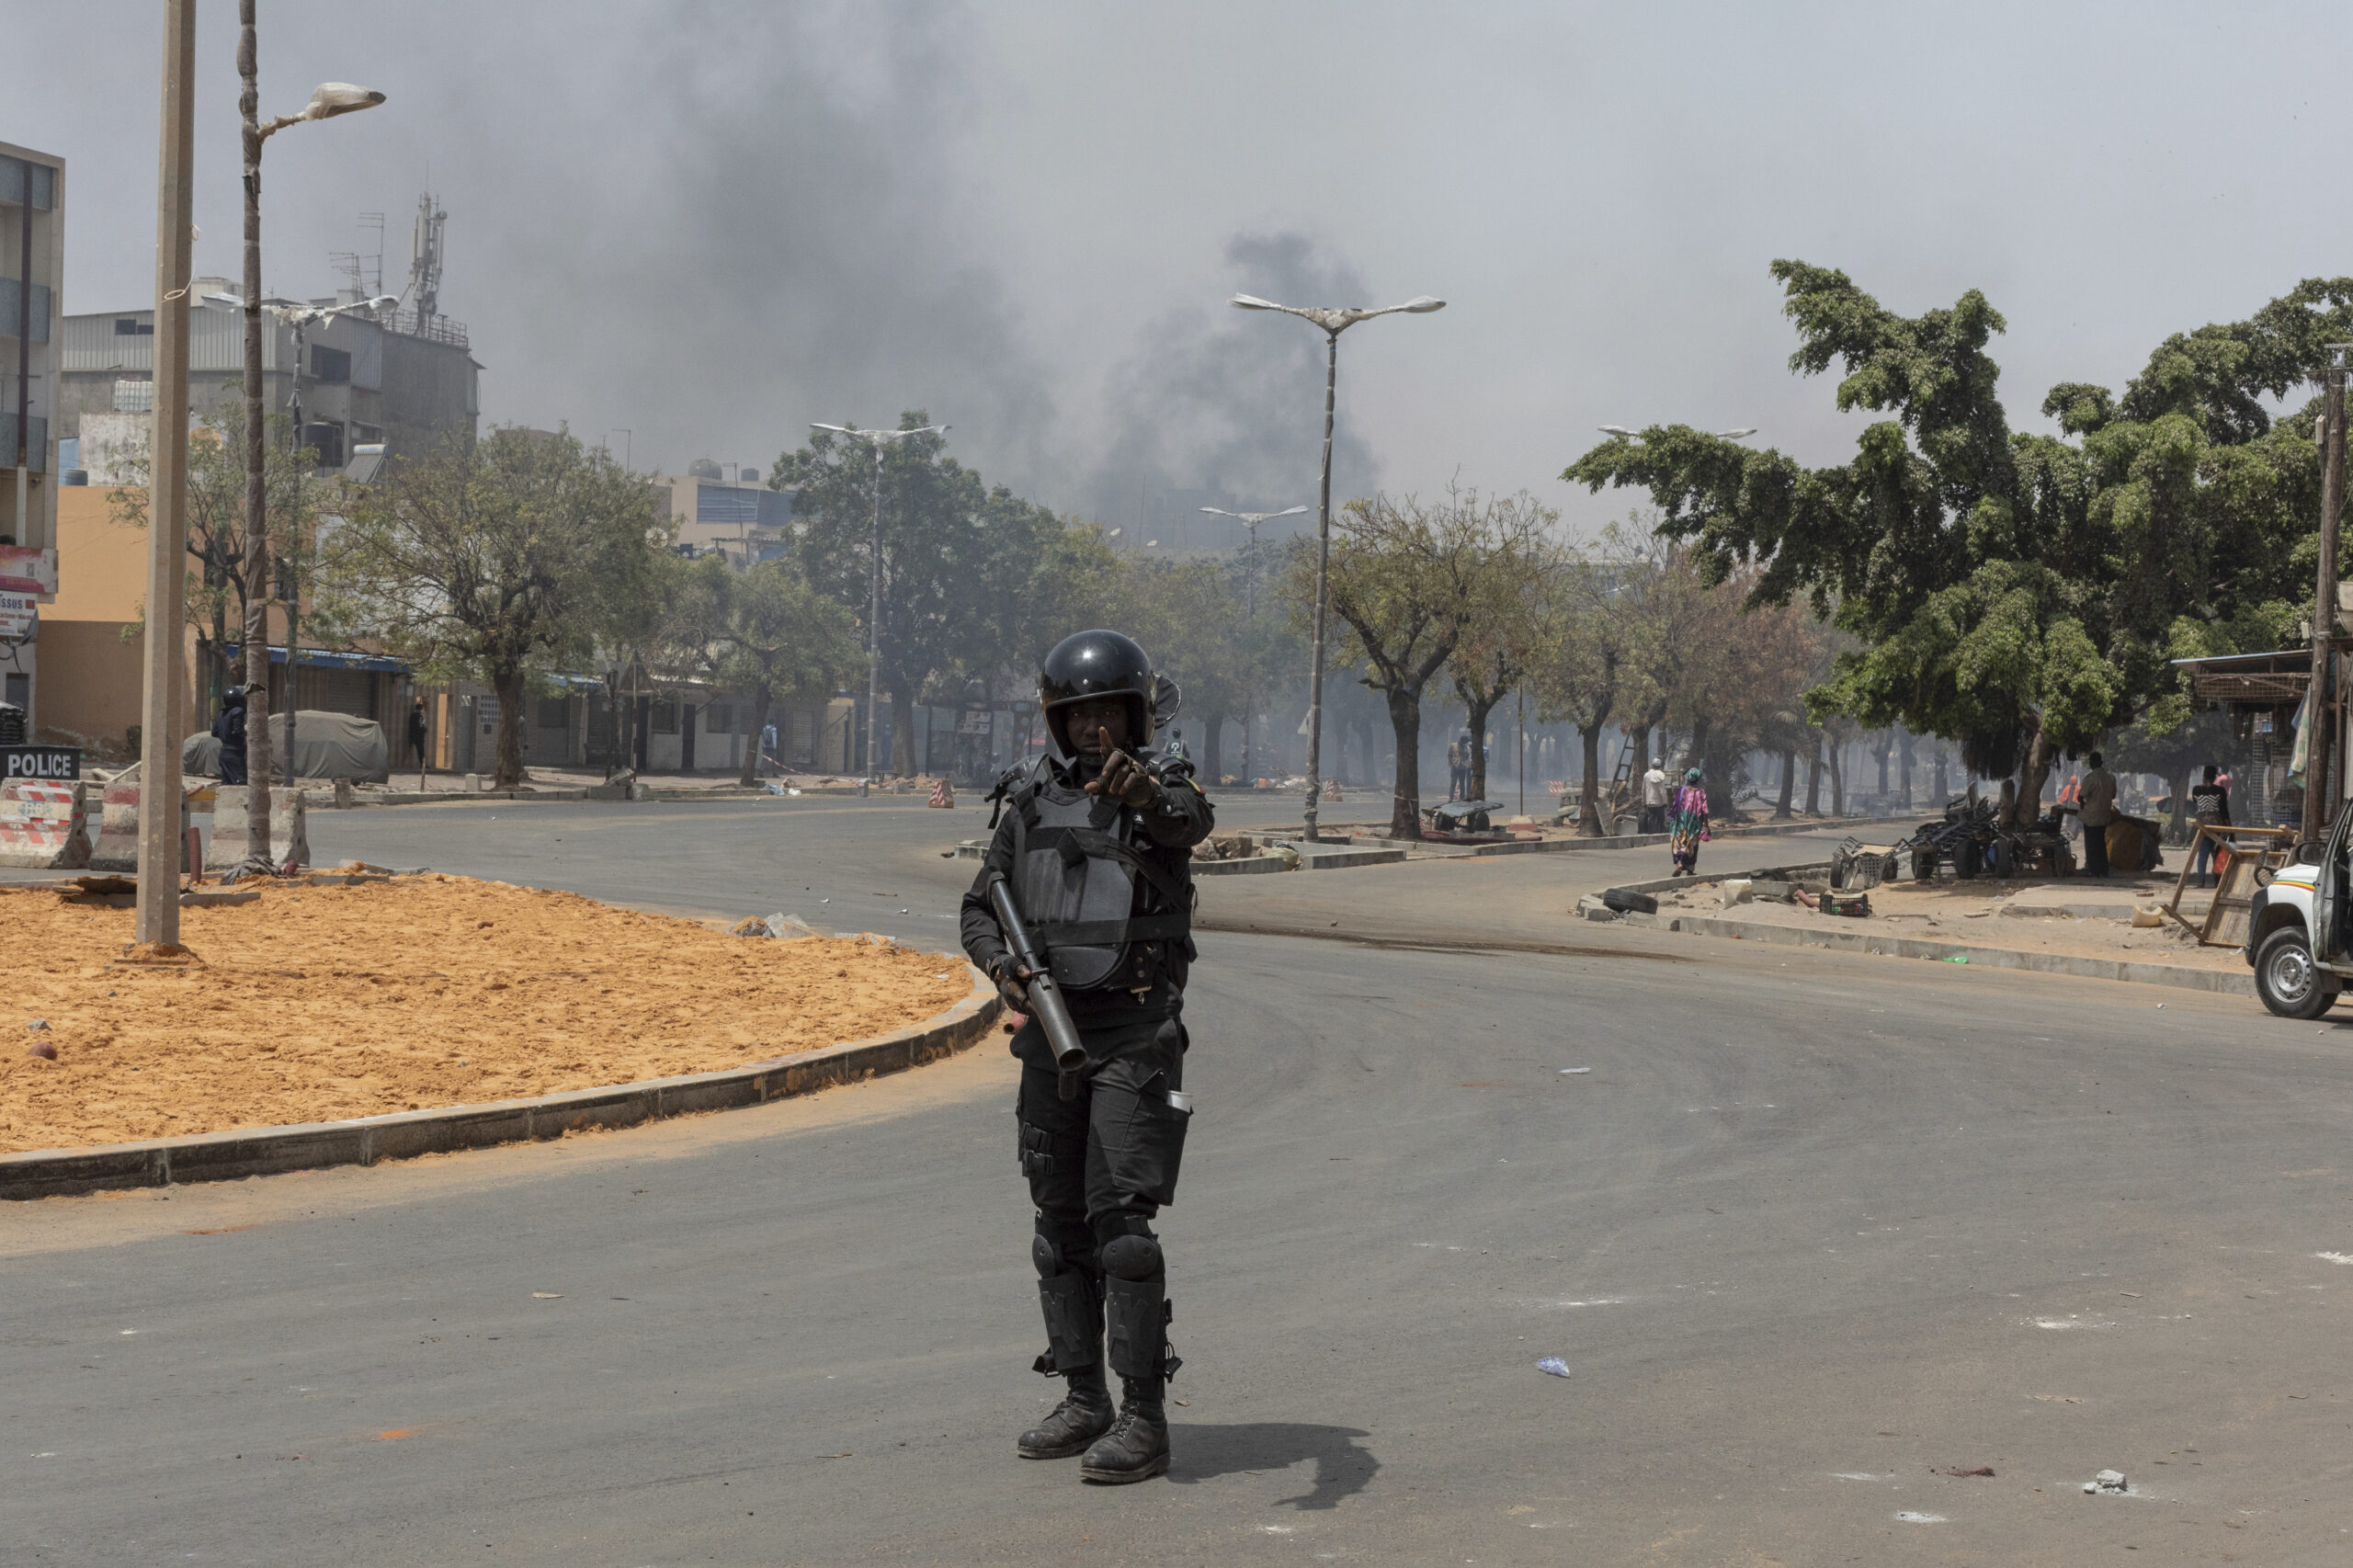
(1333, 322)
(1637, 435)
(328, 100)
(877, 439)
(1251, 521)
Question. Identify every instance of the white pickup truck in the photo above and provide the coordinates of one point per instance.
(2300, 928)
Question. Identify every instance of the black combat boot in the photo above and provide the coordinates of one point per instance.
(1073, 1302)
(1084, 1415)
(1136, 1447)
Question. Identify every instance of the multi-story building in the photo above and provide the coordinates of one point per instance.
(730, 511)
(33, 263)
(400, 381)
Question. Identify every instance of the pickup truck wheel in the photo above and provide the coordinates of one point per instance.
(2286, 978)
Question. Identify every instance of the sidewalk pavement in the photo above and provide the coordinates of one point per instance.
(2071, 925)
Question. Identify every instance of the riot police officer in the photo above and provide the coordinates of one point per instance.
(1095, 841)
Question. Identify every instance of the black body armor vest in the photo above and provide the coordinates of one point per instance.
(1077, 863)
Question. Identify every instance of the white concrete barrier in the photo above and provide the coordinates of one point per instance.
(290, 839)
(117, 846)
(41, 824)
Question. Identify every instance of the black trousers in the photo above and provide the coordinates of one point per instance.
(1100, 1165)
(2095, 851)
(1653, 819)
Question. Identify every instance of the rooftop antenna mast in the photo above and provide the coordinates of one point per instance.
(365, 269)
(425, 262)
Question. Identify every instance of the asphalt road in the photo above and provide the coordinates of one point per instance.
(1811, 1232)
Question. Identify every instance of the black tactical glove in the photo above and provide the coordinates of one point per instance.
(1009, 973)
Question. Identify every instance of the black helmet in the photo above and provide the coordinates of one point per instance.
(1101, 664)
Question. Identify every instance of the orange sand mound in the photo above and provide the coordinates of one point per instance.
(320, 1003)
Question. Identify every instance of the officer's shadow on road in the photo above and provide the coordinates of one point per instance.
(1342, 1465)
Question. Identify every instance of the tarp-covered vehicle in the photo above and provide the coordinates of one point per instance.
(327, 745)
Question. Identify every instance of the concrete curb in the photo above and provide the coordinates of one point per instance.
(1620, 841)
(1347, 860)
(363, 1141)
(1250, 866)
(526, 797)
(2225, 983)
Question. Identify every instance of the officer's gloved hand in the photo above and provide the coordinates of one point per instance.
(1124, 778)
(1010, 973)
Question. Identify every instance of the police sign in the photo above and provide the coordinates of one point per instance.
(40, 762)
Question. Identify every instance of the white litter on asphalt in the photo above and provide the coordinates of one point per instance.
(1856, 1475)
(1566, 1071)
(1553, 1365)
(1921, 1518)
(2335, 1256)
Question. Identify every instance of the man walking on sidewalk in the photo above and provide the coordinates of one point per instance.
(2098, 811)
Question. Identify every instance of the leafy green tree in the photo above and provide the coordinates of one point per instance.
(2020, 592)
(959, 558)
(495, 559)
(765, 632)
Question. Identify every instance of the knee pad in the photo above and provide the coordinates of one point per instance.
(1046, 1256)
(1133, 1257)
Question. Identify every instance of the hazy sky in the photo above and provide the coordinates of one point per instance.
(709, 223)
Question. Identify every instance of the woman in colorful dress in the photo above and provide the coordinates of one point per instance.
(1688, 823)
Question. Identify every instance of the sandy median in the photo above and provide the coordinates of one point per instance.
(320, 1003)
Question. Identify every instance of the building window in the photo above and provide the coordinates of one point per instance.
(719, 718)
(131, 327)
(331, 366)
(134, 397)
(666, 715)
(326, 439)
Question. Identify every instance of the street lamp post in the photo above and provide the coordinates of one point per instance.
(1250, 570)
(301, 318)
(877, 439)
(1333, 322)
(327, 100)
(158, 918)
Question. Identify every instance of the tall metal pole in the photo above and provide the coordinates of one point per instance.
(1323, 568)
(293, 565)
(158, 919)
(25, 361)
(2320, 797)
(256, 541)
(1250, 709)
(874, 624)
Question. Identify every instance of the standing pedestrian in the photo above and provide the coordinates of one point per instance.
(229, 729)
(2097, 810)
(769, 764)
(2209, 803)
(1453, 770)
(1657, 790)
(416, 731)
(1096, 846)
(1691, 825)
